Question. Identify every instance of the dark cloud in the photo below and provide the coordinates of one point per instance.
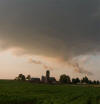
(53, 28)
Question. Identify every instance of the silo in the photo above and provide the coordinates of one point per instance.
(47, 75)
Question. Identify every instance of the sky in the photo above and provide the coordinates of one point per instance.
(58, 35)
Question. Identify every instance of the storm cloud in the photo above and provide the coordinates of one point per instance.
(53, 28)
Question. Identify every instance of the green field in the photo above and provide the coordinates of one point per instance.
(16, 92)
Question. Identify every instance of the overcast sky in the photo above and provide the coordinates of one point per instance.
(65, 30)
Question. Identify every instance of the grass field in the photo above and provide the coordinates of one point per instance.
(16, 92)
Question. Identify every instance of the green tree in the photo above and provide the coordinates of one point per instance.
(90, 82)
(64, 79)
(75, 80)
(21, 77)
(28, 78)
(85, 80)
(98, 82)
(94, 82)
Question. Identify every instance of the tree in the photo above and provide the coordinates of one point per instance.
(94, 82)
(85, 80)
(64, 79)
(21, 77)
(90, 82)
(98, 82)
(75, 80)
(28, 77)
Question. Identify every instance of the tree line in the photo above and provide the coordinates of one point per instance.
(67, 80)
(64, 79)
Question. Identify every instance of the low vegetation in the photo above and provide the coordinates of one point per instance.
(22, 92)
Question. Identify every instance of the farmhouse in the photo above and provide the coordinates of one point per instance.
(47, 78)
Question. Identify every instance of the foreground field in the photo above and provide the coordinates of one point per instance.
(14, 92)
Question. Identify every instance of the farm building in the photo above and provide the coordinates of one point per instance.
(47, 78)
(35, 80)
